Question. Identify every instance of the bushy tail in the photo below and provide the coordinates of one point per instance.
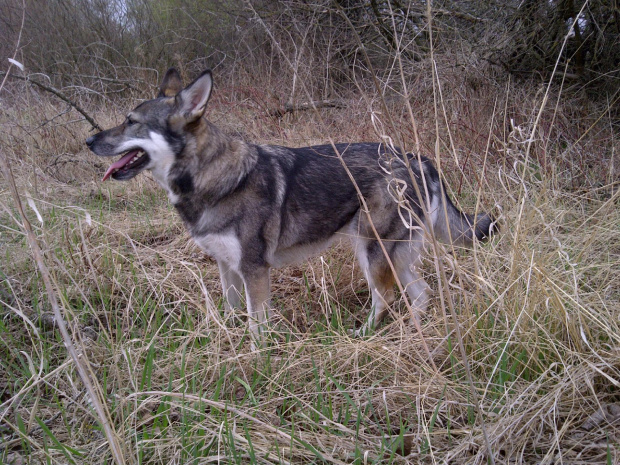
(461, 228)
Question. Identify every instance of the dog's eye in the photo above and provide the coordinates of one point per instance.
(130, 121)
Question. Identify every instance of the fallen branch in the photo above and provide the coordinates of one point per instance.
(60, 95)
(291, 108)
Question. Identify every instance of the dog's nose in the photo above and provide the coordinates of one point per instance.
(90, 140)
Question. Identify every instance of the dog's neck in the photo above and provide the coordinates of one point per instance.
(210, 167)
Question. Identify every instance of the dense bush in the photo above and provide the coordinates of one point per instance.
(114, 46)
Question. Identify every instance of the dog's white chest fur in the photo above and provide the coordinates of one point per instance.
(223, 247)
(162, 157)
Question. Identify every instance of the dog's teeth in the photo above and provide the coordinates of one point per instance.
(137, 157)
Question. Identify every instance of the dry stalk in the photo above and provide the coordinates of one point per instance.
(441, 272)
(79, 358)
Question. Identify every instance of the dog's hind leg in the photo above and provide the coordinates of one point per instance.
(257, 296)
(232, 287)
(407, 261)
(380, 281)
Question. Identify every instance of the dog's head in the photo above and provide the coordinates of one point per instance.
(156, 132)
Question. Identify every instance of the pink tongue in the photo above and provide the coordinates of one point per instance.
(119, 164)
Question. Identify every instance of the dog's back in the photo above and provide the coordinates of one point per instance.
(319, 179)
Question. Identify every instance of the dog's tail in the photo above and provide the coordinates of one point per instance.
(453, 226)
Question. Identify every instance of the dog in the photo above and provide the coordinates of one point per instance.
(254, 207)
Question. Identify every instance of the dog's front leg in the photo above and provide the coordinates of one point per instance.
(232, 287)
(257, 296)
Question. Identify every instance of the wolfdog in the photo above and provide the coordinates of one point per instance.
(254, 207)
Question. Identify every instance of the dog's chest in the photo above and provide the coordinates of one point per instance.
(223, 247)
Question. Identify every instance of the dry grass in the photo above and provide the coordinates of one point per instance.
(538, 307)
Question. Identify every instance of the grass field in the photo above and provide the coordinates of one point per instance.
(523, 331)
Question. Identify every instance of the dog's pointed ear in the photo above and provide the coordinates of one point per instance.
(192, 101)
(171, 84)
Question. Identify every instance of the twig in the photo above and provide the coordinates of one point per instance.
(58, 94)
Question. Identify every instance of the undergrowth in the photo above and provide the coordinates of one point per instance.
(538, 307)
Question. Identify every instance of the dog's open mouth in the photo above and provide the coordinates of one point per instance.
(128, 166)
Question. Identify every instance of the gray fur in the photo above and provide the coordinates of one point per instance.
(254, 207)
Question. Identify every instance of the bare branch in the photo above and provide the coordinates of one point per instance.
(58, 94)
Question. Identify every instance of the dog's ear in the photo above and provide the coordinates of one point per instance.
(171, 85)
(192, 101)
